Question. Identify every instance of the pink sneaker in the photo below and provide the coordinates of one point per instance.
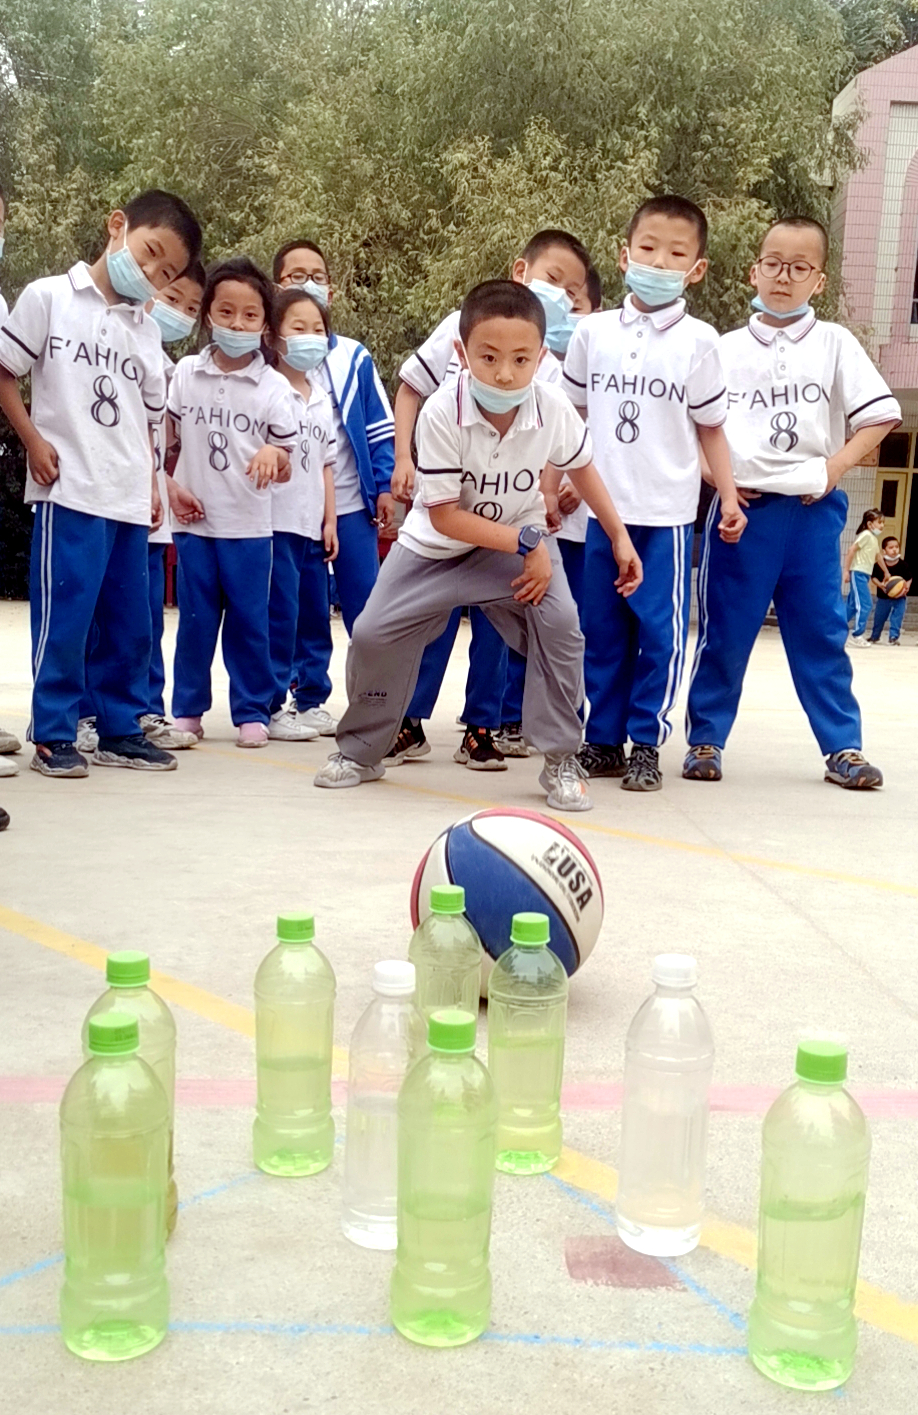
(189, 724)
(252, 734)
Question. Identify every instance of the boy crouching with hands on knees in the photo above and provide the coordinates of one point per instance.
(482, 445)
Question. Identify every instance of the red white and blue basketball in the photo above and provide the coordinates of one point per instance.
(509, 861)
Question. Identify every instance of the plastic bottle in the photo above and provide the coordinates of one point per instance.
(527, 1012)
(446, 953)
(388, 1039)
(669, 1059)
(815, 1154)
(114, 1164)
(294, 1133)
(128, 977)
(447, 1122)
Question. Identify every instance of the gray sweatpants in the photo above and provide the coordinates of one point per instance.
(409, 608)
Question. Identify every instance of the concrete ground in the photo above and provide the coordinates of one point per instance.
(799, 900)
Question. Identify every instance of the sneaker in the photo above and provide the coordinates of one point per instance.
(4, 818)
(59, 759)
(510, 740)
(253, 734)
(703, 763)
(565, 781)
(410, 744)
(189, 724)
(602, 759)
(859, 641)
(8, 768)
(872, 640)
(9, 742)
(852, 770)
(165, 734)
(893, 643)
(134, 752)
(322, 721)
(643, 772)
(87, 738)
(284, 726)
(478, 752)
(340, 771)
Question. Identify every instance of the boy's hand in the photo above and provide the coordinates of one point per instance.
(385, 510)
(265, 467)
(156, 507)
(569, 499)
(732, 522)
(43, 461)
(552, 511)
(744, 495)
(630, 569)
(184, 506)
(536, 576)
(330, 538)
(403, 480)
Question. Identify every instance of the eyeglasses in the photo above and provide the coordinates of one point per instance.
(798, 270)
(297, 277)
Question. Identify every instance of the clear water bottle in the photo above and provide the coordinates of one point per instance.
(128, 977)
(669, 1060)
(114, 1164)
(527, 1013)
(447, 1121)
(446, 953)
(389, 1038)
(815, 1154)
(294, 1133)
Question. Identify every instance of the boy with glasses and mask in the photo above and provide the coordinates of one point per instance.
(805, 406)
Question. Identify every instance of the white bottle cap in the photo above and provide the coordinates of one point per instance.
(394, 978)
(675, 970)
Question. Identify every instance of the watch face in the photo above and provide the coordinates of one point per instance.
(530, 537)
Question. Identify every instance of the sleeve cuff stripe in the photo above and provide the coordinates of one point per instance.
(16, 340)
(707, 401)
(576, 454)
(569, 379)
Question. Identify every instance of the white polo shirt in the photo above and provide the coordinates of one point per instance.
(97, 388)
(298, 506)
(795, 395)
(162, 536)
(223, 419)
(436, 362)
(647, 381)
(4, 308)
(463, 459)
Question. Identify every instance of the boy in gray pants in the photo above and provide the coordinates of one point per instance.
(482, 445)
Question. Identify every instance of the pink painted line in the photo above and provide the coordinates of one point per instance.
(204, 1091)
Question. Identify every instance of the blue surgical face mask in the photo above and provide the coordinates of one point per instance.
(556, 303)
(314, 290)
(235, 342)
(558, 338)
(173, 324)
(655, 287)
(759, 304)
(128, 280)
(305, 351)
(497, 400)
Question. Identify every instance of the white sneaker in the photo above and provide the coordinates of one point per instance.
(565, 781)
(165, 734)
(286, 727)
(340, 771)
(322, 721)
(9, 742)
(87, 738)
(8, 768)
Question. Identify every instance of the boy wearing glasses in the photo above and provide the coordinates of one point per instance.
(805, 405)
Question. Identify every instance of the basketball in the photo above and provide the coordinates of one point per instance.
(894, 587)
(509, 861)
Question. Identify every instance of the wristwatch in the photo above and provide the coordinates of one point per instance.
(530, 539)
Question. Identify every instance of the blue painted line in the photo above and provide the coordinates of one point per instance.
(281, 1328)
(38, 1330)
(31, 1271)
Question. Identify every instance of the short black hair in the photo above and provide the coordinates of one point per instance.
(196, 273)
(801, 223)
(499, 299)
(302, 244)
(285, 299)
(678, 209)
(873, 514)
(887, 539)
(594, 288)
(240, 267)
(156, 208)
(544, 240)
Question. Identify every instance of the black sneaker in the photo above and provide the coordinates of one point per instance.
(703, 763)
(601, 759)
(59, 759)
(410, 744)
(135, 752)
(853, 771)
(478, 752)
(643, 773)
(510, 740)
(4, 818)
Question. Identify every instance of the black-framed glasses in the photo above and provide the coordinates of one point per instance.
(798, 270)
(298, 277)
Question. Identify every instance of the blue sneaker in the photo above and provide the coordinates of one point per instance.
(852, 770)
(702, 763)
(59, 759)
(135, 752)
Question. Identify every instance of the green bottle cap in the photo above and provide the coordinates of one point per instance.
(451, 1030)
(113, 1034)
(822, 1061)
(447, 899)
(530, 930)
(127, 969)
(296, 928)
